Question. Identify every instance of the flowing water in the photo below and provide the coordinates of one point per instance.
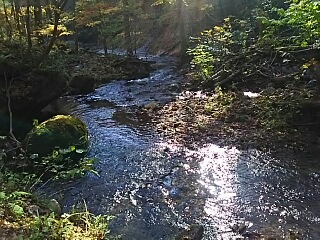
(153, 188)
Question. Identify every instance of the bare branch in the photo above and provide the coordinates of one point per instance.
(8, 87)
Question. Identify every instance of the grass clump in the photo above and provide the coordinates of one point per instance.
(23, 215)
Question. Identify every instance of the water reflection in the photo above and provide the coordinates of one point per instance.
(252, 187)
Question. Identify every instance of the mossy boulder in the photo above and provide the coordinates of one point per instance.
(59, 132)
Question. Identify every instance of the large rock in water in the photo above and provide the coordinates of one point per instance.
(82, 84)
(61, 131)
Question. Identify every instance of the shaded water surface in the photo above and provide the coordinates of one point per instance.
(153, 188)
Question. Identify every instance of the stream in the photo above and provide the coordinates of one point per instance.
(153, 188)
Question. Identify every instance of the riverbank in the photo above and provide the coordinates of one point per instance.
(268, 119)
(31, 87)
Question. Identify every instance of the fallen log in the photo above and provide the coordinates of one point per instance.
(227, 79)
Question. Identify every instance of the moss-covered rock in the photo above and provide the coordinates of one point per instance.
(61, 131)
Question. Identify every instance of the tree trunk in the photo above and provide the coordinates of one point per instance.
(76, 38)
(46, 52)
(28, 27)
(75, 28)
(37, 13)
(57, 13)
(220, 11)
(197, 16)
(48, 9)
(38, 19)
(127, 32)
(16, 15)
(181, 28)
(9, 27)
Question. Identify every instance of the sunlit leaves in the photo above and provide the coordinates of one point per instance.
(159, 2)
(215, 43)
(297, 25)
(49, 28)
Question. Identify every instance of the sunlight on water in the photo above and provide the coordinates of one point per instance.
(218, 181)
(217, 170)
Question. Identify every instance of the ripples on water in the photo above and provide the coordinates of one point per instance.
(154, 188)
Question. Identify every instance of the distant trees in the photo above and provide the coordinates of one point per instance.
(115, 21)
(126, 24)
(189, 17)
(25, 22)
(127, 28)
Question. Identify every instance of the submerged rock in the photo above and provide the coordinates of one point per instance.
(54, 206)
(61, 131)
(193, 232)
(151, 106)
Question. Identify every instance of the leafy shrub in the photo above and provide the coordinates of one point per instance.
(74, 226)
(233, 37)
(33, 218)
(297, 25)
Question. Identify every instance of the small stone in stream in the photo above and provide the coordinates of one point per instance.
(166, 149)
(194, 232)
(54, 206)
(151, 106)
(176, 124)
(175, 193)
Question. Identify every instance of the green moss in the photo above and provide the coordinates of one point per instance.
(60, 132)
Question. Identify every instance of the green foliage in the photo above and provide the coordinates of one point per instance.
(275, 110)
(34, 218)
(298, 25)
(77, 226)
(278, 109)
(14, 202)
(60, 164)
(47, 30)
(39, 28)
(220, 104)
(202, 58)
(234, 36)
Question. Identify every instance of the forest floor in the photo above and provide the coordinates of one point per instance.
(272, 119)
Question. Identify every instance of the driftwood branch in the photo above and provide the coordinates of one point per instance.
(227, 79)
